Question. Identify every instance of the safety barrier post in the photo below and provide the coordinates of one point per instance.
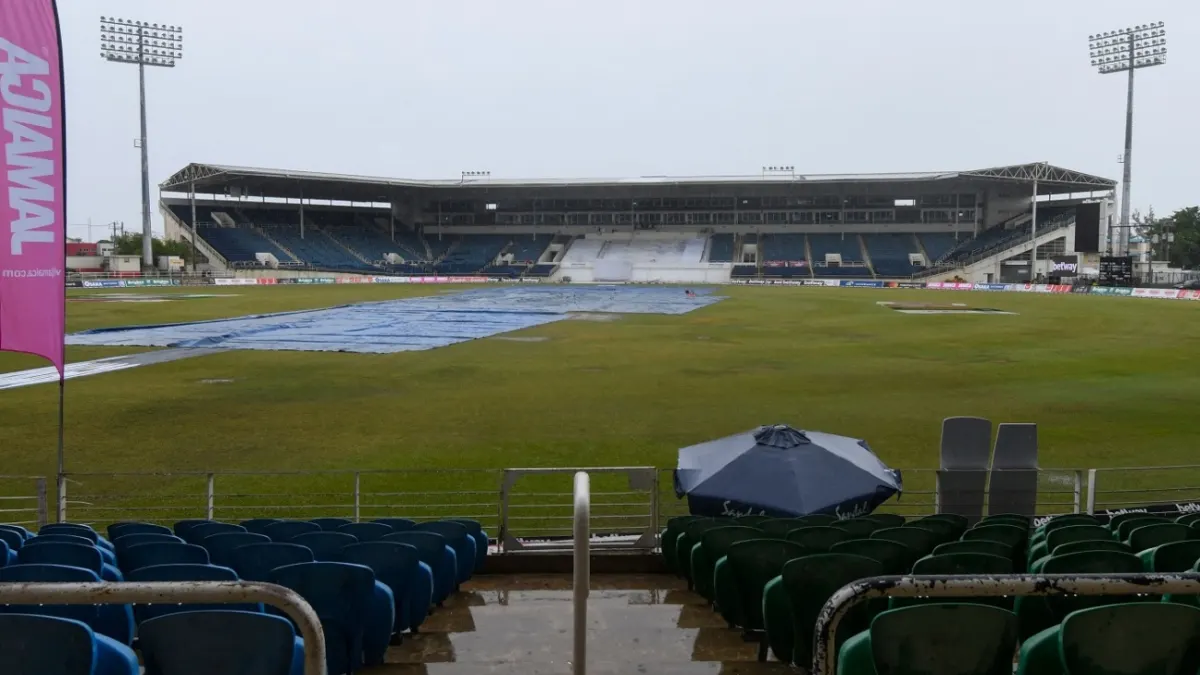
(210, 496)
(1091, 499)
(357, 496)
(582, 569)
(43, 513)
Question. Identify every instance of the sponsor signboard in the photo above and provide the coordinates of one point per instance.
(1155, 293)
(1081, 289)
(235, 281)
(950, 285)
(1188, 295)
(1058, 288)
(862, 283)
(104, 283)
(1064, 266)
(1112, 290)
(990, 287)
(1168, 509)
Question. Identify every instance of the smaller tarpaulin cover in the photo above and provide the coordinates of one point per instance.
(781, 471)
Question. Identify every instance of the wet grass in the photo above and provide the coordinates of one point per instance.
(1110, 381)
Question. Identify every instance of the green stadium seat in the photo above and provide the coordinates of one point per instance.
(1188, 519)
(1140, 638)
(1068, 520)
(895, 557)
(751, 521)
(920, 541)
(1149, 536)
(1193, 600)
(792, 601)
(753, 565)
(887, 519)
(777, 528)
(690, 537)
(713, 545)
(1115, 521)
(1066, 535)
(1086, 545)
(960, 523)
(1036, 613)
(937, 639)
(975, 546)
(819, 537)
(857, 527)
(1005, 534)
(670, 536)
(944, 531)
(813, 519)
(960, 564)
(1171, 558)
(1132, 524)
(1013, 519)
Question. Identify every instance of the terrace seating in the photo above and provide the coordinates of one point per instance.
(472, 253)
(890, 254)
(938, 244)
(113, 621)
(784, 255)
(527, 250)
(185, 573)
(240, 244)
(221, 641)
(314, 247)
(45, 645)
(342, 595)
(541, 271)
(847, 246)
(721, 248)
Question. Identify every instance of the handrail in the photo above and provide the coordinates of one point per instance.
(943, 586)
(582, 569)
(149, 592)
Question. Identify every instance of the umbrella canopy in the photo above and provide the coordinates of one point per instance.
(781, 471)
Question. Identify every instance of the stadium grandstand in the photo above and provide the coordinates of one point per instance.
(979, 225)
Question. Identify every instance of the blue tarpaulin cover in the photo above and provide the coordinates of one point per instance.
(404, 325)
(781, 471)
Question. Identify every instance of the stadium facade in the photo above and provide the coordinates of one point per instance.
(979, 225)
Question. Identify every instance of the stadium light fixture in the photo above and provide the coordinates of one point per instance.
(475, 175)
(142, 44)
(1125, 51)
(779, 170)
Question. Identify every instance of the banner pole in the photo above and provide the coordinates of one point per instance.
(61, 511)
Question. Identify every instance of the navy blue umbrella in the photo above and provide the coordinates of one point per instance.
(781, 471)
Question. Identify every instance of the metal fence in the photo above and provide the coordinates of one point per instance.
(521, 508)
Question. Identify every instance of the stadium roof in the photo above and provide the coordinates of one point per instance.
(221, 178)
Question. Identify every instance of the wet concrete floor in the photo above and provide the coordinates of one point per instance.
(523, 624)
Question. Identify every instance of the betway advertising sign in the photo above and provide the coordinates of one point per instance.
(1064, 266)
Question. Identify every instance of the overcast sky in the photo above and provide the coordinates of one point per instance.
(568, 88)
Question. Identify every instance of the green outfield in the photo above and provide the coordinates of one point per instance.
(1110, 381)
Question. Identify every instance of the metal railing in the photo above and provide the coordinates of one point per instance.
(824, 656)
(522, 508)
(23, 500)
(582, 572)
(174, 592)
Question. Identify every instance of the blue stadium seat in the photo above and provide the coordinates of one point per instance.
(254, 562)
(114, 621)
(61, 538)
(220, 641)
(283, 531)
(890, 254)
(397, 524)
(326, 546)
(121, 529)
(18, 530)
(76, 537)
(330, 524)
(398, 566)
(77, 530)
(471, 253)
(527, 250)
(342, 596)
(160, 553)
(240, 244)
(541, 270)
(366, 531)
(74, 555)
(126, 541)
(258, 525)
(197, 534)
(459, 538)
(182, 527)
(938, 244)
(434, 551)
(185, 573)
(220, 547)
(480, 537)
(33, 644)
(12, 543)
(721, 248)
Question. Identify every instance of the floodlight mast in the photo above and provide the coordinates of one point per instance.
(1127, 50)
(143, 44)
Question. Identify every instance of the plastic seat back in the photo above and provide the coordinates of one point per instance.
(17, 529)
(73, 555)
(340, 594)
(810, 581)
(1008, 519)
(459, 538)
(170, 553)
(818, 537)
(285, 530)
(815, 519)
(943, 530)
(393, 563)
(432, 550)
(182, 527)
(12, 539)
(184, 573)
(121, 529)
(258, 525)
(1089, 562)
(1149, 536)
(670, 536)
(1073, 533)
(366, 531)
(919, 541)
(254, 562)
(750, 520)
(778, 528)
(330, 524)
(1115, 521)
(960, 522)
(858, 528)
(1175, 557)
(947, 639)
(1091, 545)
(199, 533)
(219, 641)
(70, 528)
(895, 557)
(1188, 519)
(43, 645)
(978, 546)
(714, 545)
(397, 524)
(1005, 534)
(961, 564)
(220, 546)
(690, 537)
(1069, 520)
(326, 546)
(125, 541)
(60, 538)
(756, 562)
(1141, 638)
(1130, 524)
(41, 573)
(887, 519)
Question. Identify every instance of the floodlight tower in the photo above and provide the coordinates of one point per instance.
(143, 44)
(1124, 51)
